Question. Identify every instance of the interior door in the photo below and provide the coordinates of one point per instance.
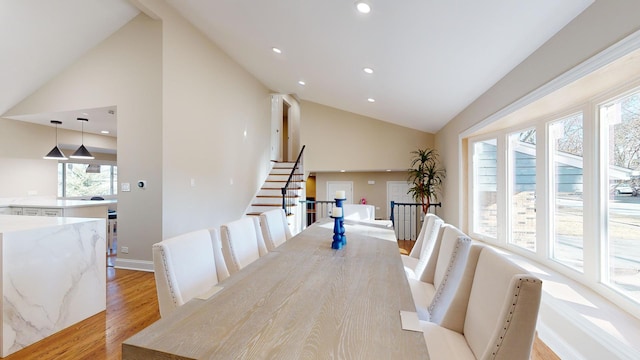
(347, 186)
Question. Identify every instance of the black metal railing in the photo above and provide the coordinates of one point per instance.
(294, 184)
(407, 219)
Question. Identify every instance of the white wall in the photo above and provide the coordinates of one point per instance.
(126, 71)
(209, 104)
(340, 140)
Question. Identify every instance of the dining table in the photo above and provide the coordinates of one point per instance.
(304, 300)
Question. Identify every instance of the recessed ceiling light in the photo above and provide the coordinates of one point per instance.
(276, 50)
(301, 82)
(368, 70)
(363, 7)
(343, 170)
(371, 100)
(388, 170)
(104, 131)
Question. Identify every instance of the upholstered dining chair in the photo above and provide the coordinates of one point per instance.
(425, 249)
(359, 212)
(500, 317)
(242, 243)
(275, 229)
(416, 250)
(186, 266)
(442, 268)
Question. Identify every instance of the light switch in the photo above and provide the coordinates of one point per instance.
(125, 187)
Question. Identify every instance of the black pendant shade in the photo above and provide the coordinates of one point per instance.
(82, 152)
(55, 153)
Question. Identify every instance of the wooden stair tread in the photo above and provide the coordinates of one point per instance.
(285, 181)
(273, 205)
(277, 196)
(257, 213)
(277, 188)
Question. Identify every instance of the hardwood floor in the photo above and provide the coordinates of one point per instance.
(132, 305)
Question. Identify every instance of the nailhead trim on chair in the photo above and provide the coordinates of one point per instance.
(232, 253)
(172, 290)
(507, 323)
(440, 289)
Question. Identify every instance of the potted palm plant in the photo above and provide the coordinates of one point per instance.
(425, 177)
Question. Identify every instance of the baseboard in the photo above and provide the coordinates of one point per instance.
(132, 264)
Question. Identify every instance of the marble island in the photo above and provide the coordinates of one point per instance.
(56, 207)
(53, 275)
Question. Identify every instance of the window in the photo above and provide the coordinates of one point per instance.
(80, 179)
(621, 141)
(485, 164)
(566, 138)
(522, 189)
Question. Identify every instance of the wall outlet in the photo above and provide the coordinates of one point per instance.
(124, 249)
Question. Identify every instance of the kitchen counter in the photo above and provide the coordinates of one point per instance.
(56, 207)
(55, 203)
(53, 273)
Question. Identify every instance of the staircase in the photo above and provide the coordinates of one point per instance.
(283, 188)
(270, 194)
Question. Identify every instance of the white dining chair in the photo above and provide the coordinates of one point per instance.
(425, 249)
(441, 270)
(186, 266)
(358, 212)
(275, 229)
(500, 317)
(242, 243)
(416, 250)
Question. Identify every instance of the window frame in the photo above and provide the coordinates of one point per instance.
(595, 177)
(113, 184)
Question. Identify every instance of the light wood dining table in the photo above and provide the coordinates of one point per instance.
(302, 301)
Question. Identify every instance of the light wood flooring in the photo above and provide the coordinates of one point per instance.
(132, 305)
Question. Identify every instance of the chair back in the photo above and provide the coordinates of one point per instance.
(435, 269)
(427, 222)
(184, 267)
(275, 229)
(449, 249)
(242, 243)
(430, 237)
(448, 307)
(359, 212)
(503, 308)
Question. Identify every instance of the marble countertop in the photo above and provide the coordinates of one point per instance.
(54, 203)
(10, 223)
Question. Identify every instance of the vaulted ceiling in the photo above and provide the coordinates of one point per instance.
(430, 59)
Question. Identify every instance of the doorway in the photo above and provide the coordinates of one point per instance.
(285, 130)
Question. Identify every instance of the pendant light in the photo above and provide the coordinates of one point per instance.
(55, 153)
(82, 152)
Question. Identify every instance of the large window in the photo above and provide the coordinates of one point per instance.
(621, 142)
(522, 175)
(566, 139)
(577, 211)
(81, 180)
